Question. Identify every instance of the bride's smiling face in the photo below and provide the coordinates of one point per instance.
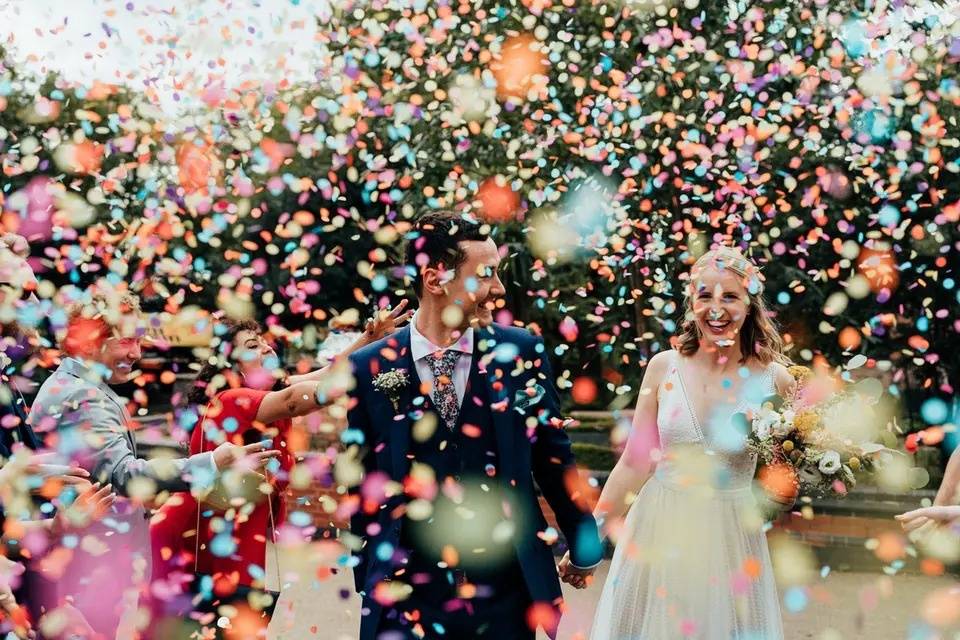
(720, 305)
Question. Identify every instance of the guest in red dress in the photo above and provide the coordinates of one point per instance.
(226, 563)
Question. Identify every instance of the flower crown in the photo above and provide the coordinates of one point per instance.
(733, 260)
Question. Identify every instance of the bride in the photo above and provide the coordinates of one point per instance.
(691, 559)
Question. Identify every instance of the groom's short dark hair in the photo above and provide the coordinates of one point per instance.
(435, 239)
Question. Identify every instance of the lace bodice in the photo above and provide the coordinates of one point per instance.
(712, 454)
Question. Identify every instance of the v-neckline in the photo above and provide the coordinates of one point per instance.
(697, 425)
(686, 400)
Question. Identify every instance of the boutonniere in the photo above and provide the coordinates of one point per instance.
(392, 383)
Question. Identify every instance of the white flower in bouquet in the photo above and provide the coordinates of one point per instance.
(786, 418)
(765, 422)
(830, 462)
(782, 427)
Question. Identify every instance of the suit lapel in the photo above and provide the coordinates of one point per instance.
(501, 387)
(398, 430)
(115, 399)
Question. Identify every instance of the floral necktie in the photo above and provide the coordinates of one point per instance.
(442, 364)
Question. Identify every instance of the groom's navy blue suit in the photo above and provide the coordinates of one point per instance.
(512, 440)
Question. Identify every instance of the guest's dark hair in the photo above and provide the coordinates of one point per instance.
(19, 342)
(435, 239)
(215, 372)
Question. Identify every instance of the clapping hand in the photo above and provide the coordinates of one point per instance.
(8, 603)
(386, 321)
(90, 506)
(577, 578)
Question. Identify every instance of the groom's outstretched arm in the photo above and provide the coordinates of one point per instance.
(552, 462)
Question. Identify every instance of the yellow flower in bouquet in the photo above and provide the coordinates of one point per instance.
(806, 422)
(800, 373)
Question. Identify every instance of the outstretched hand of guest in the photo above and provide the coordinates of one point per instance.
(45, 467)
(386, 321)
(251, 456)
(919, 518)
(574, 576)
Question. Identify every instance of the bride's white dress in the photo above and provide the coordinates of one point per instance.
(692, 559)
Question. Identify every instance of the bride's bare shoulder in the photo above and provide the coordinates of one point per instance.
(659, 365)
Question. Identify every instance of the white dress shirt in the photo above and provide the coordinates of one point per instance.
(421, 348)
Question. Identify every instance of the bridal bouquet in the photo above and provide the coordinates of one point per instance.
(812, 442)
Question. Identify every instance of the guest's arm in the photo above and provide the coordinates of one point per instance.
(114, 462)
(949, 491)
(941, 515)
(302, 398)
(381, 325)
(91, 504)
(40, 465)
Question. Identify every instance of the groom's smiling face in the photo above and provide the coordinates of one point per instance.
(471, 291)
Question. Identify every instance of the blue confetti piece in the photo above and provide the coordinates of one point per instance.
(223, 545)
(795, 599)
(300, 519)
(506, 352)
(934, 411)
(384, 551)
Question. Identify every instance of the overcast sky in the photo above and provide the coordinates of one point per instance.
(164, 43)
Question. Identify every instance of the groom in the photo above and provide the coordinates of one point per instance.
(461, 416)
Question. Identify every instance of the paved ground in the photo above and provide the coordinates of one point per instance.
(321, 606)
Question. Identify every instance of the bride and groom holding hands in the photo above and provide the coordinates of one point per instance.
(458, 417)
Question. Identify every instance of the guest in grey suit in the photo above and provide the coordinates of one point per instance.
(92, 426)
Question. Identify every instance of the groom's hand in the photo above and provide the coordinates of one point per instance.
(577, 578)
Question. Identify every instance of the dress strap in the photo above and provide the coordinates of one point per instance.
(770, 378)
(697, 427)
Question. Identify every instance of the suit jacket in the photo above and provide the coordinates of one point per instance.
(528, 449)
(92, 428)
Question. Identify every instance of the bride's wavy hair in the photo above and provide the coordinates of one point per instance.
(759, 335)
